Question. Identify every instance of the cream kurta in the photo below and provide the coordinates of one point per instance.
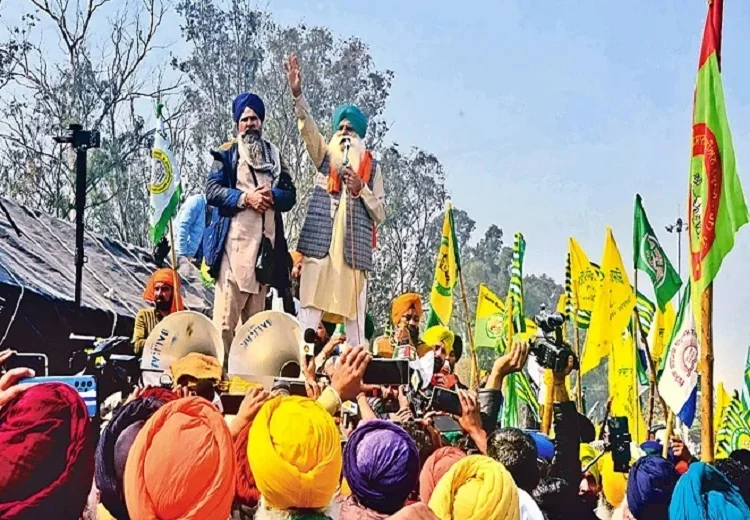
(243, 239)
(330, 284)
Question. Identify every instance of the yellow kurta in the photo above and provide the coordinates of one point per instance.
(329, 283)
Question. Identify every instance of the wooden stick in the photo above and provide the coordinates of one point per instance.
(579, 386)
(707, 376)
(176, 293)
(474, 379)
(548, 400)
(670, 429)
(607, 409)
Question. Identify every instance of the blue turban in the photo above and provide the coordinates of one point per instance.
(381, 465)
(111, 452)
(650, 486)
(353, 115)
(704, 493)
(246, 100)
(544, 446)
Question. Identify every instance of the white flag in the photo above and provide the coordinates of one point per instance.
(165, 189)
(679, 379)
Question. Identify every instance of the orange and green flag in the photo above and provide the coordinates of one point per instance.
(717, 205)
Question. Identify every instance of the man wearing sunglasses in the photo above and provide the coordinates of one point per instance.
(347, 202)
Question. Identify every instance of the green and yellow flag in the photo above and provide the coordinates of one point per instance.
(648, 256)
(585, 280)
(488, 327)
(717, 205)
(734, 429)
(612, 308)
(446, 274)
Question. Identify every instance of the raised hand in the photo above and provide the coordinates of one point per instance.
(291, 66)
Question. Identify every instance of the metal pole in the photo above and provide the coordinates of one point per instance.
(80, 208)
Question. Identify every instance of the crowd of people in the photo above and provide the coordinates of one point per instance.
(345, 450)
(173, 453)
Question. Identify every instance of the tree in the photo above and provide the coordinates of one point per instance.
(247, 48)
(97, 83)
(414, 187)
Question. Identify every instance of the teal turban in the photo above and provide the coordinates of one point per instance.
(353, 115)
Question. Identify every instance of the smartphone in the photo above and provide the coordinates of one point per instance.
(231, 403)
(446, 423)
(36, 362)
(445, 401)
(387, 372)
(84, 385)
(290, 386)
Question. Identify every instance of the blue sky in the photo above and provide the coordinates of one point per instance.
(550, 116)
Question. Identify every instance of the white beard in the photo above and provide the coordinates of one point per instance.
(336, 153)
(265, 513)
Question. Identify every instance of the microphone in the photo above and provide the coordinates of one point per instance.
(346, 142)
(310, 338)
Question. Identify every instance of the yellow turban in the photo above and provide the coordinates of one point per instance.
(476, 488)
(402, 304)
(587, 454)
(614, 485)
(294, 449)
(438, 333)
(199, 366)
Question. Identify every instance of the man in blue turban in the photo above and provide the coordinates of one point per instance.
(249, 186)
(347, 203)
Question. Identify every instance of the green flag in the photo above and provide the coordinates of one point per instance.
(717, 205)
(648, 256)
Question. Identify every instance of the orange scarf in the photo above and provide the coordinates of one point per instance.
(364, 172)
(169, 277)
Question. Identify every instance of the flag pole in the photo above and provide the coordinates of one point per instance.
(177, 286)
(577, 338)
(668, 436)
(474, 380)
(548, 400)
(707, 375)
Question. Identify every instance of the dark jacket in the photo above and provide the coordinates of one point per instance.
(490, 402)
(222, 194)
(567, 464)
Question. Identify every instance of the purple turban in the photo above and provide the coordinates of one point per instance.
(650, 485)
(246, 100)
(113, 448)
(381, 465)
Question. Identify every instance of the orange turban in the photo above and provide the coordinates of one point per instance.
(403, 303)
(168, 277)
(182, 464)
(294, 449)
(435, 467)
(197, 365)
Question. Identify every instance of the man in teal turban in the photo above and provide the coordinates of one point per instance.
(338, 237)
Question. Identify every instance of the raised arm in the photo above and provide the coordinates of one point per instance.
(308, 129)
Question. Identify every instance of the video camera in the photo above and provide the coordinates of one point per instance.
(79, 138)
(548, 347)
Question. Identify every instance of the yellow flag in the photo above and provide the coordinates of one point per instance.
(585, 278)
(722, 402)
(623, 385)
(488, 326)
(446, 274)
(662, 332)
(613, 307)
